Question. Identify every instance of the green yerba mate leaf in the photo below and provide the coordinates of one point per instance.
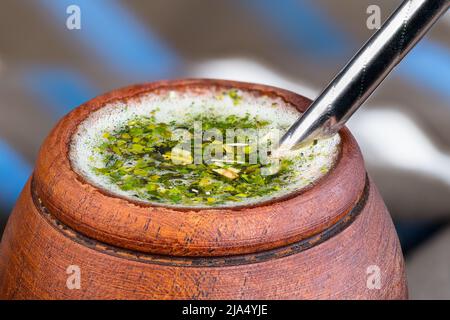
(141, 158)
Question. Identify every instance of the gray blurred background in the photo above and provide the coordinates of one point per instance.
(46, 69)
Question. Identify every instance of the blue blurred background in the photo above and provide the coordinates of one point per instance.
(47, 69)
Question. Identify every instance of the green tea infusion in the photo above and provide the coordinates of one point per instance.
(196, 149)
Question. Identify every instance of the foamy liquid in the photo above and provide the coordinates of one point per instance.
(315, 162)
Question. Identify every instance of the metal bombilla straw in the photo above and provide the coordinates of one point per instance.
(363, 73)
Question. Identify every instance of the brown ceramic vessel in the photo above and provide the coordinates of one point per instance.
(324, 242)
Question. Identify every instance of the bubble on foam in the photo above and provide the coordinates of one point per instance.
(174, 105)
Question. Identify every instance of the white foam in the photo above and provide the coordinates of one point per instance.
(174, 105)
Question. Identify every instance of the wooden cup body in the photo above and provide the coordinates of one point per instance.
(37, 254)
